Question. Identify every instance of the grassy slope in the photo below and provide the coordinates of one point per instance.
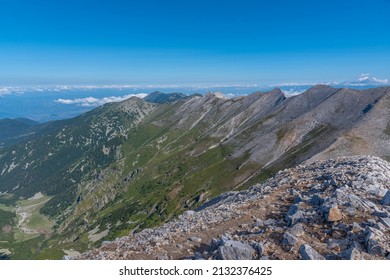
(178, 170)
(23, 245)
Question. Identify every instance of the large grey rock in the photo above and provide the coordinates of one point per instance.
(308, 253)
(386, 199)
(235, 250)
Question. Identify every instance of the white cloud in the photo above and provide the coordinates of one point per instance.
(367, 79)
(292, 92)
(93, 102)
(385, 81)
(4, 91)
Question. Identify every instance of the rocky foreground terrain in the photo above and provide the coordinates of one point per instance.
(333, 209)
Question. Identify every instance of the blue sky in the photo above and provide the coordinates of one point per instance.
(189, 42)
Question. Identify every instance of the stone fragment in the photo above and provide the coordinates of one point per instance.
(374, 242)
(214, 244)
(294, 215)
(260, 248)
(337, 245)
(336, 234)
(198, 256)
(351, 254)
(297, 230)
(259, 223)
(333, 183)
(308, 253)
(235, 250)
(385, 221)
(386, 199)
(195, 239)
(380, 214)
(269, 222)
(356, 228)
(289, 239)
(297, 199)
(316, 200)
(189, 213)
(334, 214)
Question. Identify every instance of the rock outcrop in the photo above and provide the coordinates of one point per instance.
(333, 209)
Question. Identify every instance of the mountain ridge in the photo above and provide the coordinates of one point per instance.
(134, 164)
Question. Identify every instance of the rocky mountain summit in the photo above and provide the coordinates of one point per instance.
(332, 209)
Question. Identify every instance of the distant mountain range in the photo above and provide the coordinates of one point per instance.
(138, 163)
(48, 103)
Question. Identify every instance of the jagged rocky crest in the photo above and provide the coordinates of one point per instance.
(333, 209)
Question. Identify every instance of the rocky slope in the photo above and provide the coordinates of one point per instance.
(333, 209)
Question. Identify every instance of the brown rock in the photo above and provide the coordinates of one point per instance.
(334, 215)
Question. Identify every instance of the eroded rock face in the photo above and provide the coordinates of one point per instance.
(333, 209)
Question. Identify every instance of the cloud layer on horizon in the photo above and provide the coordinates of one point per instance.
(94, 102)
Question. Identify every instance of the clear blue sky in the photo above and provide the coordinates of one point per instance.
(173, 42)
